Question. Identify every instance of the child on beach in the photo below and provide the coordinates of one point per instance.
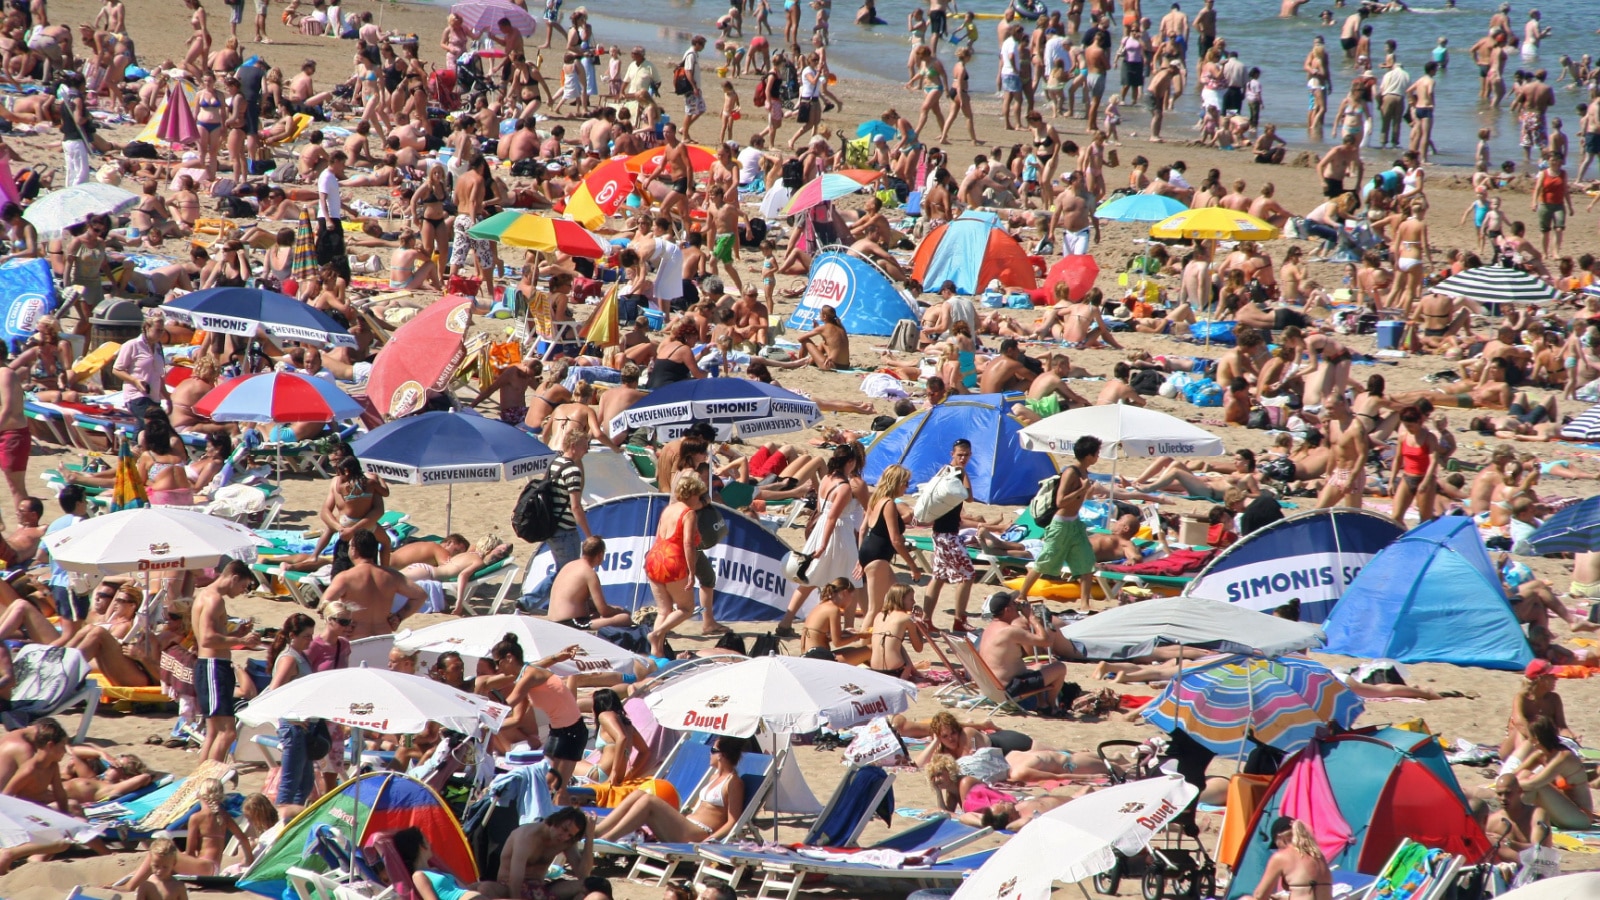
(730, 111)
(209, 830)
(769, 270)
(162, 860)
(1209, 125)
(967, 32)
(1113, 118)
(614, 73)
(1441, 54)
(1480, 202)
(1252, 97)
(1493, 225)
(1056, 85)
(1481, 154)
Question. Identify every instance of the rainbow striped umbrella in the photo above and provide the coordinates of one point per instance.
(830, 186)
(1283, 702)
(542, 233)
(304, 262)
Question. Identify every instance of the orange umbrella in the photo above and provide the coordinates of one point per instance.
(648, 162)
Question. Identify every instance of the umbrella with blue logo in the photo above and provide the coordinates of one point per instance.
(753, 409)
(244, 311)
(1575, 529)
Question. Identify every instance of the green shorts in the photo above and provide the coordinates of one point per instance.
(1066, 548)
(1045, 406)
(723, 248)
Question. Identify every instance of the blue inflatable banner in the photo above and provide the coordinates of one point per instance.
(865, 299)
(1311, 557)
(751, 586)
(27, 291)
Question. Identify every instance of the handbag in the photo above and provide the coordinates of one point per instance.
(943, 492)
(796, 566)
(713, 527)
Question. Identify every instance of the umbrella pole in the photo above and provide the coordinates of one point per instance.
(449, 506)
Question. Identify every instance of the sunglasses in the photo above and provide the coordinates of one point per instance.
(174, 617)
(345, 622)
(104, 596)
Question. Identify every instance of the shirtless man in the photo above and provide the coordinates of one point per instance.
(1348, 446)
(530, 849)
(30, 764)
(513, 384)
(1119, 543)
(1240, 362)
(1537, 97)
(1006, 644)
(214, 681)
(617, 399)
(1073, 217)
(25, 538)
(577, 597)
(1006, 372)
(1337, 164)
(373, 591)
(1420, 98)
(302, 96)
(828, 345)
(450, 558)
(752, 317)
(1118, 390)
(1350, 32)
(1268, 209)
(1049, 393)
(1157, 94)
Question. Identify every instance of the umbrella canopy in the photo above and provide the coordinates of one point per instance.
(141, 540)
(278, 397)
(1138, 628)
(474, 636)
(420, 358)
(1139, 208)
(830, 186)
(542, 233)
(751, 408)
(56, 211)
(601, 193)
(451, 448)
(304, 262)
(604, 327)
(1079, 839)
(1584, 427)
(647, 162)
(1076, 272)
(1124, 431)
(876, 128)
(22, 822)
(1213, 223)
(1574, 529)
(784, 694)
(1282, 702)
(375, 700)
(244, 311)
(485, 15)
(1577, 886)
(1496, 284)
(177, 119)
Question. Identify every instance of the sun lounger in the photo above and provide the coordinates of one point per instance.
(684, 767)
(502, 574)
(655, 863)
(1415, 872)
(984, 689)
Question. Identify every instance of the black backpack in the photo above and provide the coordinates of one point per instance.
(1147, 382)
(534, 517)
(755, 232)
(794, 173)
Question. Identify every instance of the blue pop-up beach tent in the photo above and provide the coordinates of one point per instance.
(865, 299)
(1431, 596)
(1001, 471)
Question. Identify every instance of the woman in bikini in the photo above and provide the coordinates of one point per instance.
(1298, 865)
(895, 625)
(405, 274)
(200, 41)
(823, 632)
(209, 114)
(624, 755)
(1413, 255)
(103, 645)
(1554, 779)
(48, 361)
(355, 502)
(720, 805)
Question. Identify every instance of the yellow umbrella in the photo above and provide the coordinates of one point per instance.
(602, 328)
(1213, 223)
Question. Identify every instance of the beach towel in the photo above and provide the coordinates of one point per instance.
(1308, 796)
(180, 801)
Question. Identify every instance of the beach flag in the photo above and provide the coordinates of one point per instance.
(129, 490)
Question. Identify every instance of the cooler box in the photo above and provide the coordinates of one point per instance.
(1389, 334)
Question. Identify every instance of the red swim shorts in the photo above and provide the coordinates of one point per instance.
(15, 445)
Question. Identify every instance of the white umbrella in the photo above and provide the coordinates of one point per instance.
(375, 700)
(784, 694)
(1138, 628)
(57, 211)
(1124, 432)
(22, 822)
(475, 635)
(152, 539)
(1577, 886)
(1076, 841)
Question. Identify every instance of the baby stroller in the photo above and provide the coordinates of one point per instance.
(1179, 867)
(471, 82)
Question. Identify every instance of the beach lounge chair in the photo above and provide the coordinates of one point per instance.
(655, 863)
(785, 871)
(1414, 872)
(685, 765)
(643, 459)
(989, 691)
(852, 806)
(502, 575)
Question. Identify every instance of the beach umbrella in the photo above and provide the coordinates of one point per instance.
(604, 329)
(484, 15)
(1125, 431)
(1279, 702)
(1213, 223)
(1496, 284)
(8, 185)
(178, 124)
(473, 637)
(1584, 427)
(155, 538)
(1576, 886)
(278, 397)
(545, 234)
(647, 162)
(24, 822)
(420, 358)
(128, 490)
(750, 408)
(1573, 529)
(451, 448)
(829, 186)
(56, 211)
(876, 128)
(1139, 208)
(1076, 272)
(601, 193)
(1137, 629)
(1079, 839)
(304, 262)
(783, 694)
(246, 311)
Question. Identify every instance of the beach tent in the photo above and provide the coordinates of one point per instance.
(375, 802)
(1431, 596)
(865, 299)
(1361, 793)
(751, 586)
(972, 251)
(1312, 556)
(1001, 471)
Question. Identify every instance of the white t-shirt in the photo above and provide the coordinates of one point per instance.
(328, 191)
(1056, 48)
(691, 66)
(808, 84)
(668, 258)
(750, 164)
(1008, 57)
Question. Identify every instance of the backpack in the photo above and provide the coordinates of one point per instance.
(1043, 505)
(525, 168)
(681, 84)
(319, 741)
(534, 517)
(765, 645)
(761, 93)
(755, 231)
(794, 173)
(1147, 382)
(28, 184)
(237, 208)
(632, 638)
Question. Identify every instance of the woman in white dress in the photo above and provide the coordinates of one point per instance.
(832, 542)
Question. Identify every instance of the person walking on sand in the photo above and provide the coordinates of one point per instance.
(1066, 539)
(214, 681)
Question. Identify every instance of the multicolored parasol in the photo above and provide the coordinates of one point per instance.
(545, 234)
(830, 186)
(1282, 702)
(648, 162)
(601, 193)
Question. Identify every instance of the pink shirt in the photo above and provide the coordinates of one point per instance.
(144, 362)
(324, 656)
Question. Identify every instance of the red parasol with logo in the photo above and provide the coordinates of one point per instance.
(601, 193)
(421, 358)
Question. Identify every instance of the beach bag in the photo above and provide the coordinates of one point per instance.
(1043, 505)
(1279, 468)
(534, 517)
(987, 764)
(874, 744)
(319, 740)
(1538, 863)
(632, 638)
(713, 527)
(796, 566)
(1215, 332)
(761, 93)
(1204, 392)
(681, 85)
(794, 173)
(943, 493)
(1147, 382)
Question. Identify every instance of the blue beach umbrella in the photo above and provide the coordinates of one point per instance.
(751, 408)
(244, 311)
(1139, 208)
(1575, 529)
